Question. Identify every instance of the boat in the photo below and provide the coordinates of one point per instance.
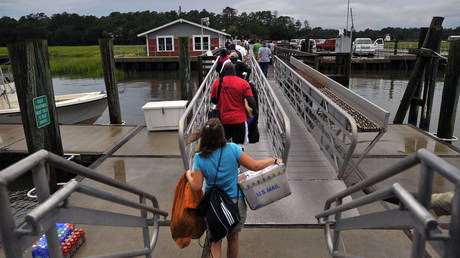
(79, 108)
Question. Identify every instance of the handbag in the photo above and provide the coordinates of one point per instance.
(214, 112)
(217, 207)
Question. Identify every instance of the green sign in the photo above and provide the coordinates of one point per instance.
(42, 115)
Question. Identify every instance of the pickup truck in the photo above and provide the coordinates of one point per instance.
(328, 44)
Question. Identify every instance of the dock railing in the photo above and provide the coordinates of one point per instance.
(275, 122)
(274, 119)
(56, 208)
(411, 214)
(333, 129)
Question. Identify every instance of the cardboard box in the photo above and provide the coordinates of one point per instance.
(263, 187)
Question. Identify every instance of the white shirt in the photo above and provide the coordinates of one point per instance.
(241, 49)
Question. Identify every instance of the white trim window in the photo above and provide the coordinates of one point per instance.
(165, 43)
(199, 41)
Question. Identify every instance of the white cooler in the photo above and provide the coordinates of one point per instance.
(163, 115)
(263, 187)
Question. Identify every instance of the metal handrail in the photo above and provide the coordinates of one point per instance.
(334, 130)
(275, 119)
(56, 208)
(412, 214)
(195, 115)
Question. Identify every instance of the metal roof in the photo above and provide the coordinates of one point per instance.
(182, 21)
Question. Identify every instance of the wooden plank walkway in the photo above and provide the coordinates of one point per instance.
(311, 177)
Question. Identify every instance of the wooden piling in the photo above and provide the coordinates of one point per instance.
(415, 106)
(108, 65)
(31, 71)
(450, 91)
(415, 79)
(431, 72)
(184, 68)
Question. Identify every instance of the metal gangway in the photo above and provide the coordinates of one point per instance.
(274, 118)
(19, 236)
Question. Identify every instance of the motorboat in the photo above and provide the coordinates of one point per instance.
(79, 108)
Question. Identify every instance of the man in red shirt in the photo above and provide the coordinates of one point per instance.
(231, 104)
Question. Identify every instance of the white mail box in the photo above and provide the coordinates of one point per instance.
(163, 115)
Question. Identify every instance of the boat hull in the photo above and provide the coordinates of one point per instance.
(86, 112)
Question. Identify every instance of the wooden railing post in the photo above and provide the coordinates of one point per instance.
(184, 68)
(451, 91)
(31, 71)
(108, 65)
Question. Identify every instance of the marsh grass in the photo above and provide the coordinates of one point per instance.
(74, 61)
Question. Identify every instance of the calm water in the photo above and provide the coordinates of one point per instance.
(384, 88)
(133, 92)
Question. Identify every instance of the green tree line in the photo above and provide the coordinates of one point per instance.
(74, 29)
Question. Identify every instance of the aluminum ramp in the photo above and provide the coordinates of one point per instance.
(311, 177)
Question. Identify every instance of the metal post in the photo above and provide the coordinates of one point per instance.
(145, 229)
(7, 224)
(453, 248)
(424, 197)
(43, 193)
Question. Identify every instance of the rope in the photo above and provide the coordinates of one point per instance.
(435, 53)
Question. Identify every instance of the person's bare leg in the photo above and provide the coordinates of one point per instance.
(216, 249)
(232, 245)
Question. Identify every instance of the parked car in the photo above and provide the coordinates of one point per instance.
(378, 43)
(363, 46)
(328, 44)
(295, 43)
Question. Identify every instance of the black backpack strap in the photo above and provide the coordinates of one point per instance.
(218, 164)
(221, 79)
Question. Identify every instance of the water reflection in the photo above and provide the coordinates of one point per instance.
(119, 170)
(386, 88)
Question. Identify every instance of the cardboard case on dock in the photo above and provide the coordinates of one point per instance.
(265, 186)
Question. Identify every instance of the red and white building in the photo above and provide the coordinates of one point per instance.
(164, 40)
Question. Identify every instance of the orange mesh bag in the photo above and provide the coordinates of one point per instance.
(185, 223)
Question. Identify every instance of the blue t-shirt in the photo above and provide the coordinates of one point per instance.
(228, 170)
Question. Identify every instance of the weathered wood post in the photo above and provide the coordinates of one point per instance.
(431, 72)
(395, 51)
(34, 87)
(417, 73)
(451, 91)
(184, 68)
(108, 65)
(415, 103)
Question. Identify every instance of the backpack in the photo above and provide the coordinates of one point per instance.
(217, 207)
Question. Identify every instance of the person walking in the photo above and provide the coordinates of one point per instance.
(256, 47)
(231, 104)
(221, 59)
(213, 146)
(264, 57)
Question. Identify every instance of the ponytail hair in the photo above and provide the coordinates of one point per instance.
(211, 137)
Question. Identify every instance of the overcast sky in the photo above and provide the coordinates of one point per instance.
(319, 13)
